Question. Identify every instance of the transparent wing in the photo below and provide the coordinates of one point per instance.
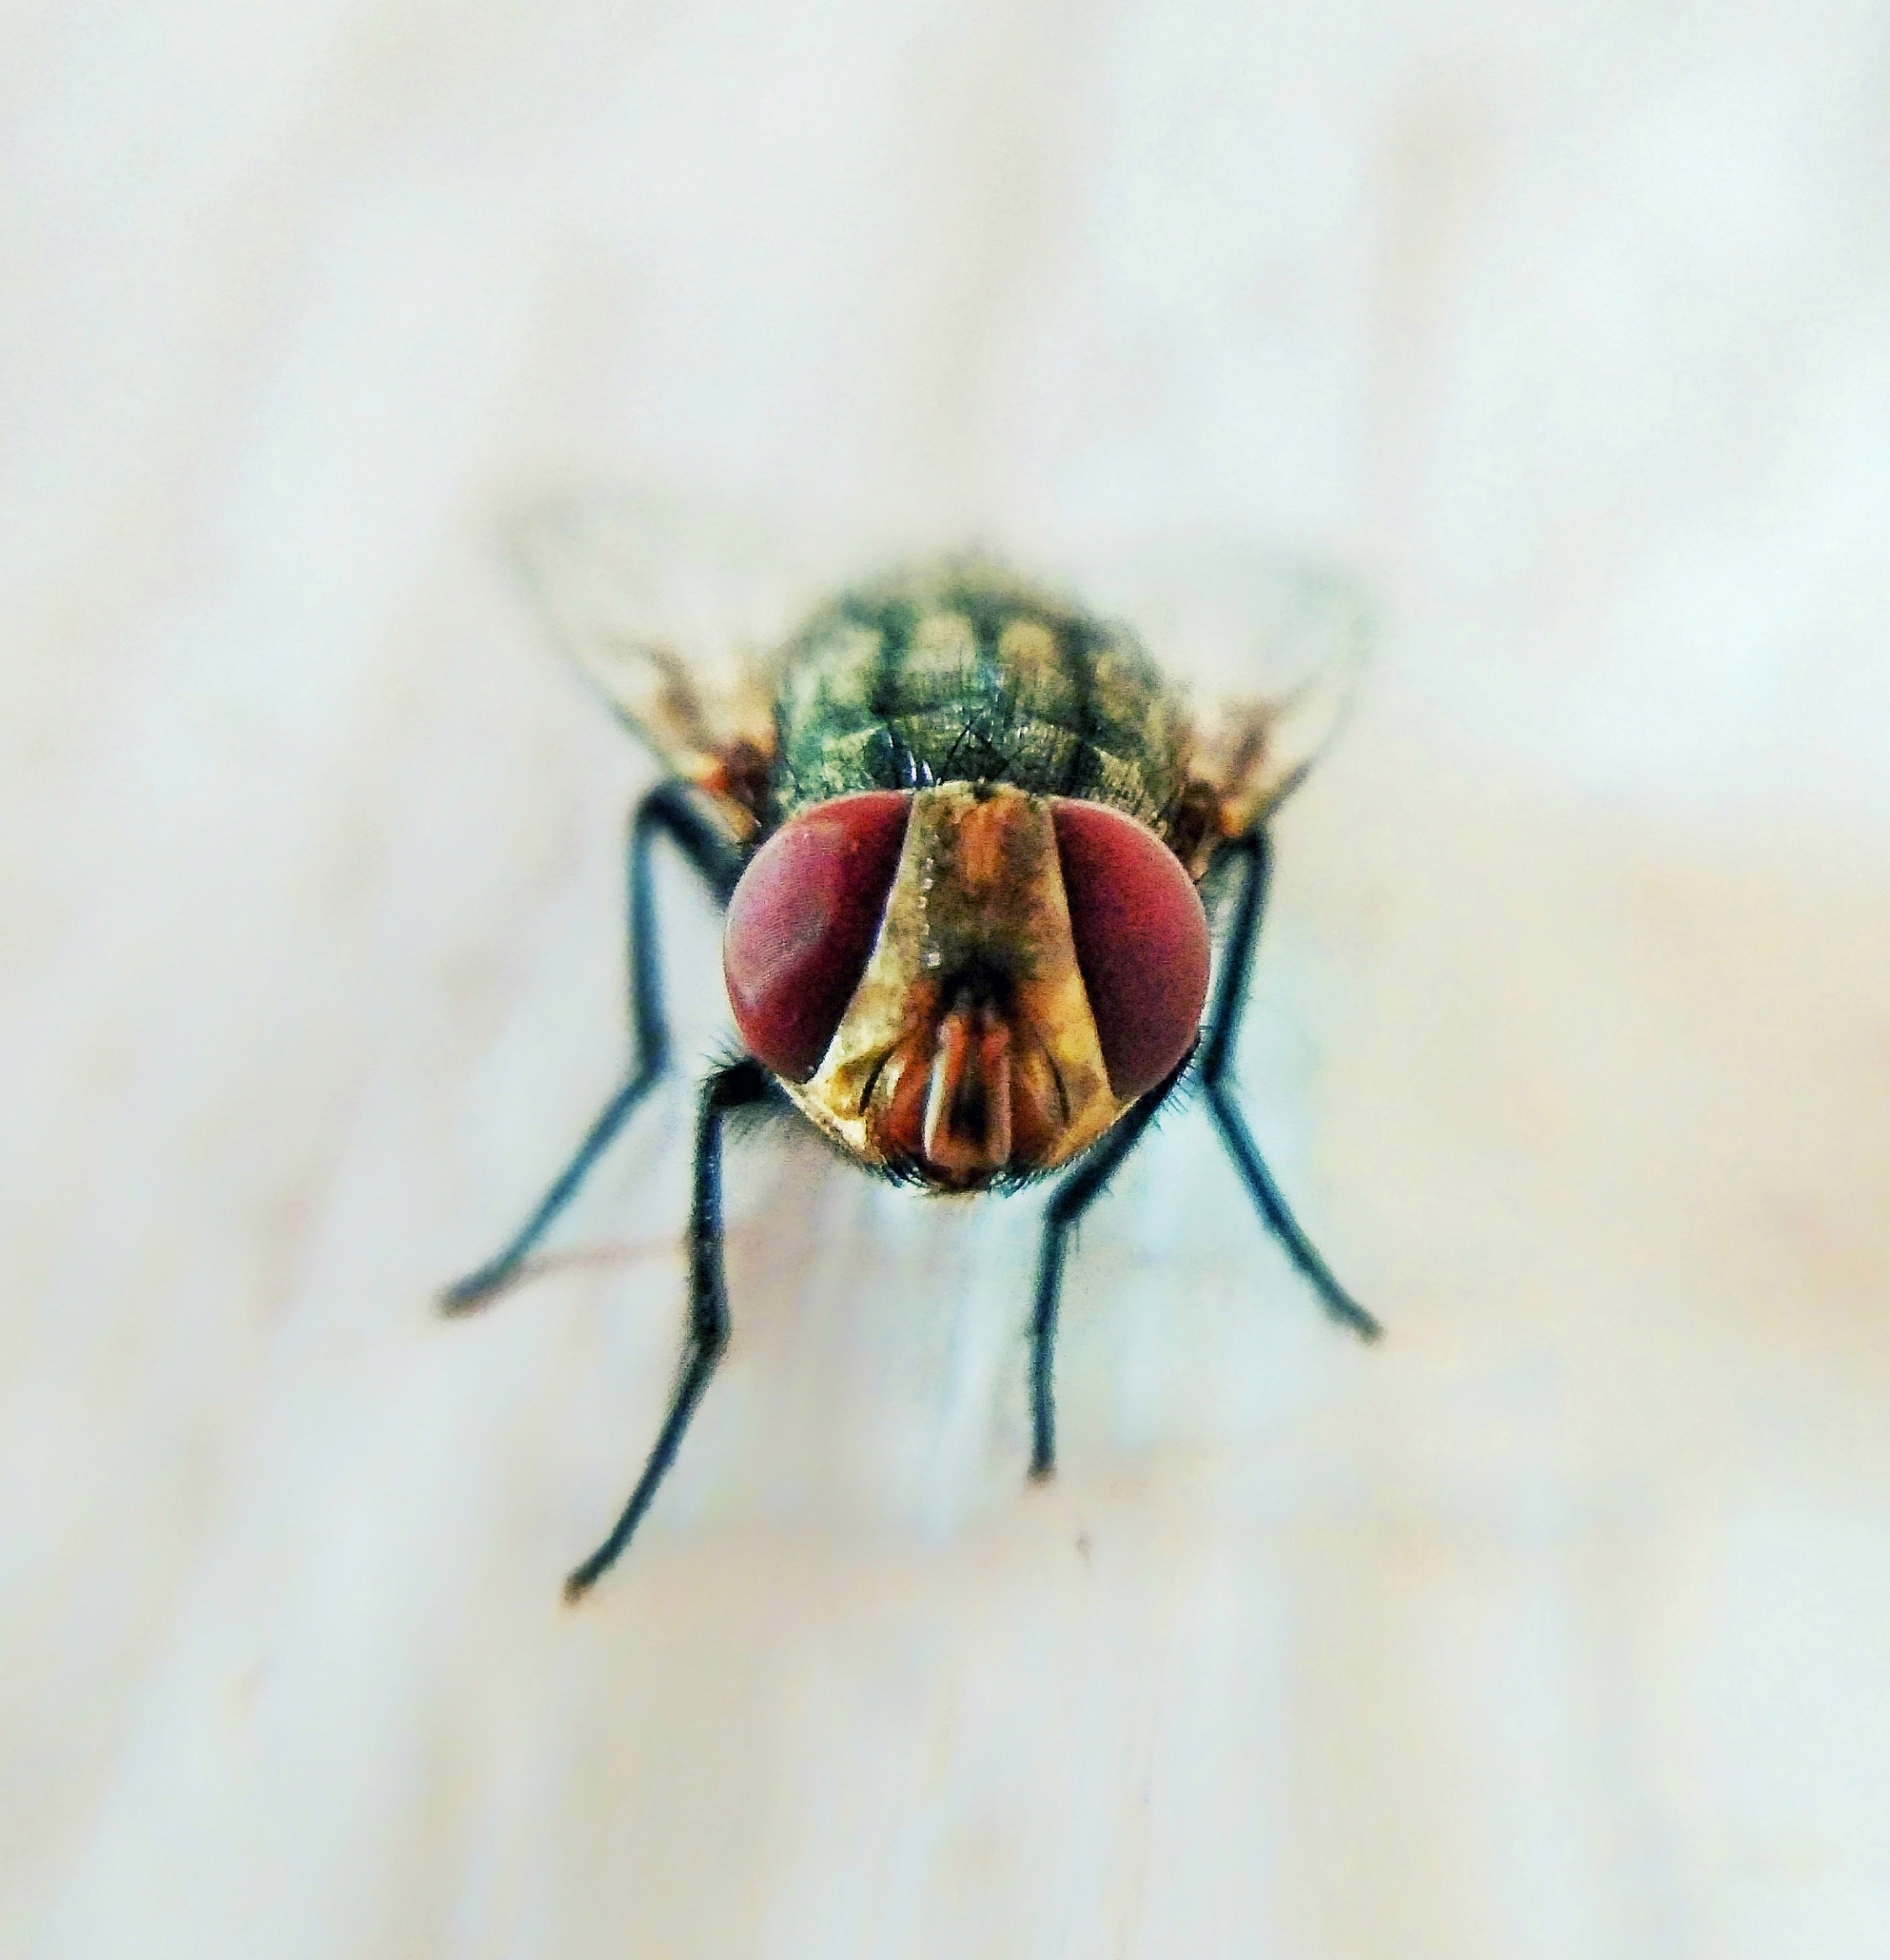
(671, 606)
(1270, 648)
(666, 607)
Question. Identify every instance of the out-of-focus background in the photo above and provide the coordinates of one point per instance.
(1558, 1625)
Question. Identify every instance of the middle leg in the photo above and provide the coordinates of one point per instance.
(668, 811)
(1255, 857)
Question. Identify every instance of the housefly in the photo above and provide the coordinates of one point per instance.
(972, 844)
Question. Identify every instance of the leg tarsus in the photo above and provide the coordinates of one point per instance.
(695, 1378)
(1280, 1220)
(479, 1288)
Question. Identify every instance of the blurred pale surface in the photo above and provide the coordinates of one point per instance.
(1559, 1625)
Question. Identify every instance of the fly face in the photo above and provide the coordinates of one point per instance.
(958, 828)
(968, 984)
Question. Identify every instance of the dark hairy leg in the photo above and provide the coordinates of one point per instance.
(738, 1085)
(1252, 857)
(668, 811)
(1253, 854)
(1072, 1197)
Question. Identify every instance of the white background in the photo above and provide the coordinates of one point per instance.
(1558, 1625)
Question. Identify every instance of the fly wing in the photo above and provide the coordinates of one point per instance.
(1269, 649)
(1315, 627)
(663, 610)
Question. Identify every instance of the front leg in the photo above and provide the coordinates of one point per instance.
(739, 1084)
(1254, 853)
(671, 810)
(1073, 1198)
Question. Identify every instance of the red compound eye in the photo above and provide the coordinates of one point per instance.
(1140, 940)
(802, 923)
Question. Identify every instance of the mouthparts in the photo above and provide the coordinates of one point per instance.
(967, 1129)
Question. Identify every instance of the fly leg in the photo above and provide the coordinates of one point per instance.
(738, 1085)
(668, 811)
(1217, 1052)
(1073, 1198)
